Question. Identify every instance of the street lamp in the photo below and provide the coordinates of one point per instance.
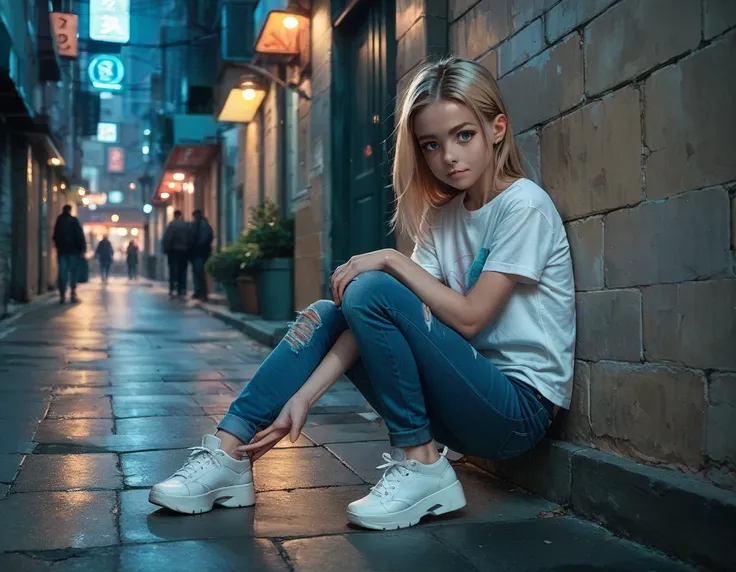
(81, 191)
(114, 218)
(131, 186)
(165, 196)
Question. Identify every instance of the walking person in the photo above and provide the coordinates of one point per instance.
(132, 260)
(176, 247)
(469, 342)
(200, 245)
(70, 248)
(104, 253)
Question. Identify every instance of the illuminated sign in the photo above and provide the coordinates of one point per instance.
(115, 160)
(106, 72)
(65, 30)
(109, 20)
(107, 132)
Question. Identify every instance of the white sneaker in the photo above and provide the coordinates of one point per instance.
(210, 476)
(408, 491)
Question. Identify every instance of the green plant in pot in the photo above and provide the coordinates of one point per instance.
(273, 235)
(230, 263)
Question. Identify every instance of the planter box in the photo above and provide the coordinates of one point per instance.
(233, 296)
(275, 281)
(248, 294)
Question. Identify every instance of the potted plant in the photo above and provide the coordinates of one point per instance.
(225, 267)
(273, 235)
(246, 281)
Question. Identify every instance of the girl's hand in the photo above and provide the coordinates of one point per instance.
(347, 272)
(289, 422)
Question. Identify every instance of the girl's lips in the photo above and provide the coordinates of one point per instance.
(457, 172)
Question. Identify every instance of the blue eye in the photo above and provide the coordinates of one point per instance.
(430, 146)
(465, 136)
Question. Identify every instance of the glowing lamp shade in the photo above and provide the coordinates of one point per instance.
(172, 185)
(55, 161)
(242, 104)
(165, 196)
(280, 33)
(290, 22)
(179, 176)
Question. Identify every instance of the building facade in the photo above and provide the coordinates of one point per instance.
(39, 151)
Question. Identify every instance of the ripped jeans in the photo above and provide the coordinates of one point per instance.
(423, 378)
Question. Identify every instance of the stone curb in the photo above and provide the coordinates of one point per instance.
(679, 514)
(25, 308)
(263, 331)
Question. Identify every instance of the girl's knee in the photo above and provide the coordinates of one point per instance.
(367, 288)
(308, 321)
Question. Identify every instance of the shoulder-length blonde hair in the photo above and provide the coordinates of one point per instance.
(418, 191)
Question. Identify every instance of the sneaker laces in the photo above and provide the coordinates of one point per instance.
(395, 471)
(199, 458)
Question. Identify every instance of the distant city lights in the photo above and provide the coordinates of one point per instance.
(134, 231)
(81, 191)
(93, 207)
(165, 196)
(122, 232)
(146, 150)
(172, 185)
(131, 186)
(85, 201)
(55, 161)
(148, 209)
(179, 176)
(114, 218)
(146, 132)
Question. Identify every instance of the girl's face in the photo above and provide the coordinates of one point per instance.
(453, 142)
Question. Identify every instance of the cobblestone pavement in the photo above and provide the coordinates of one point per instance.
(98, 401)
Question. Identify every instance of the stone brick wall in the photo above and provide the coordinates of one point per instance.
(271, 136)
(624, 111)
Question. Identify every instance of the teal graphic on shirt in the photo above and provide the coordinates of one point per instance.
(476, 268)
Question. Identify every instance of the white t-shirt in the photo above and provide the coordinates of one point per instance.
(519, 232)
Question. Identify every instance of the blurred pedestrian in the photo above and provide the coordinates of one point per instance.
(132, 259)
(176, 246)
(70, 248)
(200, 248)
(104, 254)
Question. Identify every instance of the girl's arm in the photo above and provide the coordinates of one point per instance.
(467, 315)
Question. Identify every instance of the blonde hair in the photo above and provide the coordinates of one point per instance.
(418, 192)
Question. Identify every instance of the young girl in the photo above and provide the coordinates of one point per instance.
(469, 342)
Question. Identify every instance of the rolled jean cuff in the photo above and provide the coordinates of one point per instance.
(238, 427)
(412, 438)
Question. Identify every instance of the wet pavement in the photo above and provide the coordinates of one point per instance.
(100, 400)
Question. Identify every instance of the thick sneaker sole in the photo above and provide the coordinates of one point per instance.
(449, 499)
(231, 497)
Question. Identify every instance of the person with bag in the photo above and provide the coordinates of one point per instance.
(176, 246)
(70, 248)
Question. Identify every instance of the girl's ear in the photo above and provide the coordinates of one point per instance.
(500, 124)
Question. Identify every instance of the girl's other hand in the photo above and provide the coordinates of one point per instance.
(347, 272)
(289, 422)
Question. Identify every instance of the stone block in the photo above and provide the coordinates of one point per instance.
(490, 62)
(650, 412)
(591, 158)
(457, 8)
(660, 507)
(689, 119)
(721, 429)
(683, 238)
(575, 423)
(411, 48)
(719, 16)
(521, 46)
(633, 36)
(692, 323)
(557, 73)
(407, 13)
(529, 148)
(586, 247)
(459, 38)
(569, 14)
(609, 325)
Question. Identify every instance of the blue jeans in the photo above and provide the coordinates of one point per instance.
(68, 272)
(198, 274)
(423, 378)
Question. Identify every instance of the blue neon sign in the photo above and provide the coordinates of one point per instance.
(106, 73)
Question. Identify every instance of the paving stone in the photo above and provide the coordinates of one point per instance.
(16, 435)
(140, 521)
(155, 405)
(289, 514)
(301, 468)
(9, 465)
(80, 408)
(549, 544)
(346, 433)
(386, 551)
(52, 520)
(363, 458)
(147, 468)
(192, 428)
(55, 430)
(68, 472)
(15, 408)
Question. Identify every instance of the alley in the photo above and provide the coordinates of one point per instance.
(100, 400)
